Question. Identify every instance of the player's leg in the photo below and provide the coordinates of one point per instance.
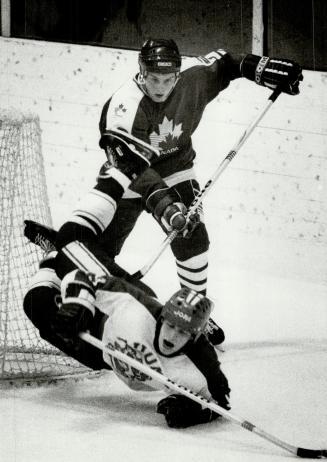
(192, 252)
(130, 158)
(114, 237)
(191, 255)
(41, 304)
(40, 301)
(122, 224)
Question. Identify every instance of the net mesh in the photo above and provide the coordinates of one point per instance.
(24, 356)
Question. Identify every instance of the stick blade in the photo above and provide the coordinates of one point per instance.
(312, 453)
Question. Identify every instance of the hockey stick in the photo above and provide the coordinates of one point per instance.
(204, 191)
(86, 261)
(45, 236)
(300, 452)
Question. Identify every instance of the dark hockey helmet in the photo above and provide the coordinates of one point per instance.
(159, 55)
(188, 310)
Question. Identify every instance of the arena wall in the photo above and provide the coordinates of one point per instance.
(267, 212)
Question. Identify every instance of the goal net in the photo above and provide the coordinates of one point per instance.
(24, 356)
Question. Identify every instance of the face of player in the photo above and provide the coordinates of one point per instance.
(159, 86)
(171, 338)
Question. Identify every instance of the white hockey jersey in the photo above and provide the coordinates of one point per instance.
(131, 327)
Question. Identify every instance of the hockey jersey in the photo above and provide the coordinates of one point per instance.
(168, 126)
(130, 327)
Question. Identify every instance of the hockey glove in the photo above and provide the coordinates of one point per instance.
(167, 208)
(191, 223)
(77, 309)
(182, 412)
(221, 391)
(127, 153)
(273, 72)
(214, 333)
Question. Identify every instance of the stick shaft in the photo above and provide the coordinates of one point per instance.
(205, 190)
(157, 376)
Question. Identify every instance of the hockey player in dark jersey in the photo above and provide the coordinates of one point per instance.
(168, 338)
(162, 106)
(130, 158)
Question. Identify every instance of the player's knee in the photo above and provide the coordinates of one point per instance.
(196, 244)
(39, 302)
(40, 306)
(71, 231)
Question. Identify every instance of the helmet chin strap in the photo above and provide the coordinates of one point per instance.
(141, 82)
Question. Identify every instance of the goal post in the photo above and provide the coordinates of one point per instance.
(24, 356)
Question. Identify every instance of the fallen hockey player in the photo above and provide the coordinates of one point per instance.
(169, 338)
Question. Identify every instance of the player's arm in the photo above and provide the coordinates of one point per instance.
(180, 411)
(161, 201)
(167, 207)
(77, 310)
(263, 70)
(272, 72)
(268, 72)
(143, 294)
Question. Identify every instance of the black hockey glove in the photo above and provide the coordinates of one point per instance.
(214, 333)
(182, 412)
(127, 153)
(168, 209)
(222, 391)
(77, 309)
(273, 72)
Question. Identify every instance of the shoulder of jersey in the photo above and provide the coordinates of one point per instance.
(128, 92)
(202, 61)
(124, 104)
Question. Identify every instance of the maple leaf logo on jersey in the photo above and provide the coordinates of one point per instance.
(119, 110)
(166, 139)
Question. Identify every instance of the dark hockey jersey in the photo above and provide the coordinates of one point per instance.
(131, 328)
(168, 126)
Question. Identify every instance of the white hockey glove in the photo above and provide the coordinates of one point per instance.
(273, 72)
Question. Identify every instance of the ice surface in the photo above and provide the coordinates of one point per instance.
(266, 221)
(278, 384)
(279, 387)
